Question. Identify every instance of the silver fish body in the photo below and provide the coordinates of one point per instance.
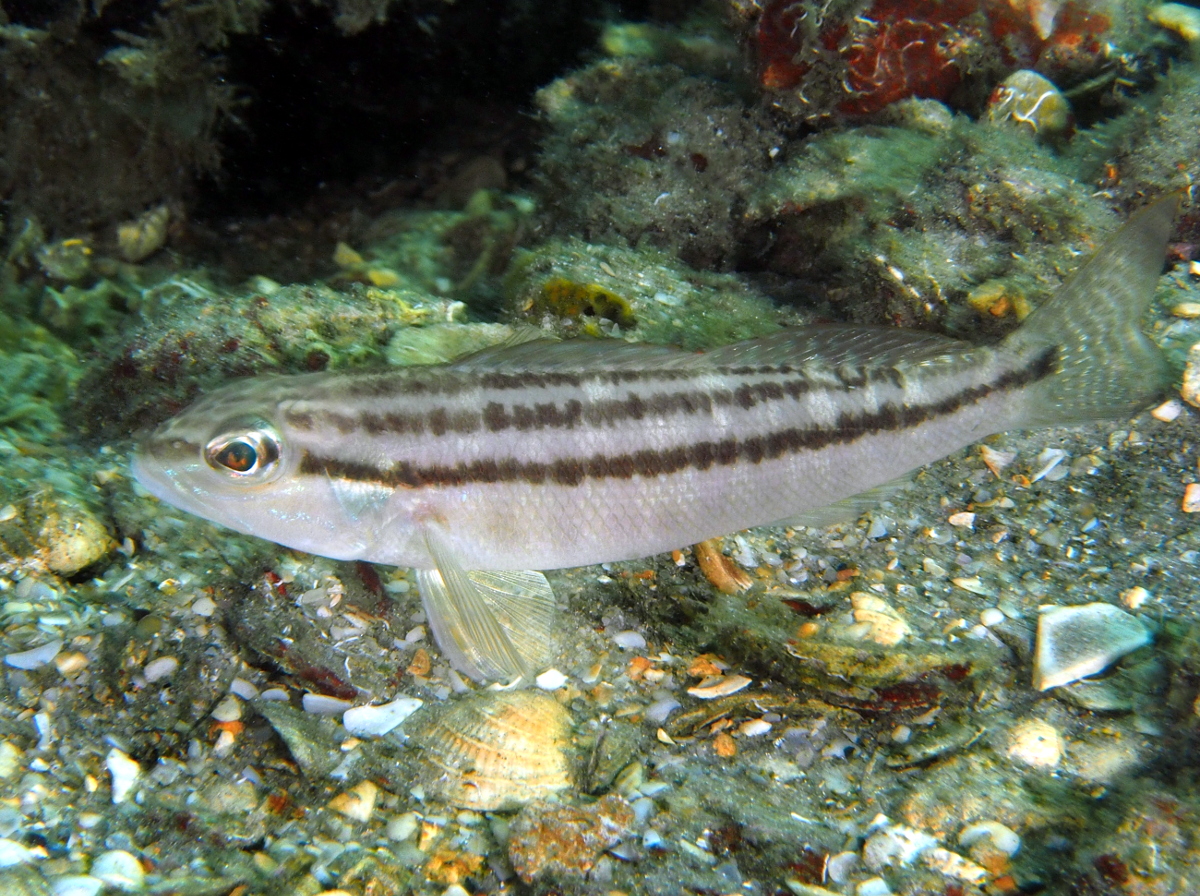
(549, 455)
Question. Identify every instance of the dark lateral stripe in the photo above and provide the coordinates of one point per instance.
(497, 416)
(700, 456)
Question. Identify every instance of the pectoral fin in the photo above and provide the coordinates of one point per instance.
(492, 626)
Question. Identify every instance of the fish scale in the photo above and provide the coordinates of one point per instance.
(546, 455)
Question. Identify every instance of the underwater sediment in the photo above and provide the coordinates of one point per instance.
(984, 682)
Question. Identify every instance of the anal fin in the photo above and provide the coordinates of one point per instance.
(491, 625)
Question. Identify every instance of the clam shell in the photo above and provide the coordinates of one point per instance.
(495, 750)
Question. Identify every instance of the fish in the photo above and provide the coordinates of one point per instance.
(482, 473)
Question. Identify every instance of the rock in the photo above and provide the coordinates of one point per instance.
(1074, 642)
(563, 840)
(74, 541)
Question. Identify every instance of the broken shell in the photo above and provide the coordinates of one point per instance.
(495, 750)
(1074, 642)
(1029, 100)
(884, 625)
(719, 687)
(144, 235)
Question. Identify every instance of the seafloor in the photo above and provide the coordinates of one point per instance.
(195, 192)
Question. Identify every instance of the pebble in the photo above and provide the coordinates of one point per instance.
(124, 771)
(992, 616)
(1135, 597)
(35, 657)
(1190, 390)
(70, 663)
(872, 886)
(120, 870)
(1002, 837)
(10, 760)
(74, 541)
(402, 826)
(1167, 411)
(1191, 498)
(205, 607)
(1035, 743)
(1074, 642)
(14, 853)
(376, 721)
(630, 640)
(77, 885)
(551, 680)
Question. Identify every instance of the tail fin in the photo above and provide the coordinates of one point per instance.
(1106, 366)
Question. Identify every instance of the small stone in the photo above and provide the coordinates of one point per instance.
(158, 669)
(1167, 411)
(964, 520)
(1001, 836)
(551, 680)
(77, 885)
(630, 640)
(124, 771)
(1187, 310)
(1191, 498)
(376, 721)
(10, 760)
(14, 853)
(1074, 642)
(564, 840)
(70, 663)
(74, 541)
(1190, 390)
(358, 803)
(1036, 743)
(120, 870)
(1135, 597)
(992, 616)
(205, 607)
(872, 886)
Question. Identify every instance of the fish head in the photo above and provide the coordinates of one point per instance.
(231, 459)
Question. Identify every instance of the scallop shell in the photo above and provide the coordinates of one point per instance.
(495, 750)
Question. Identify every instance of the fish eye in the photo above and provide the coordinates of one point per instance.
(245, 453)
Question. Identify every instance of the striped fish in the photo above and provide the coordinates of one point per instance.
(545, 455)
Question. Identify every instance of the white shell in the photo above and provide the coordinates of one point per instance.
(1074, 642)
(495, 750)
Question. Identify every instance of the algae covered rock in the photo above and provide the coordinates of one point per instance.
(578, 288)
